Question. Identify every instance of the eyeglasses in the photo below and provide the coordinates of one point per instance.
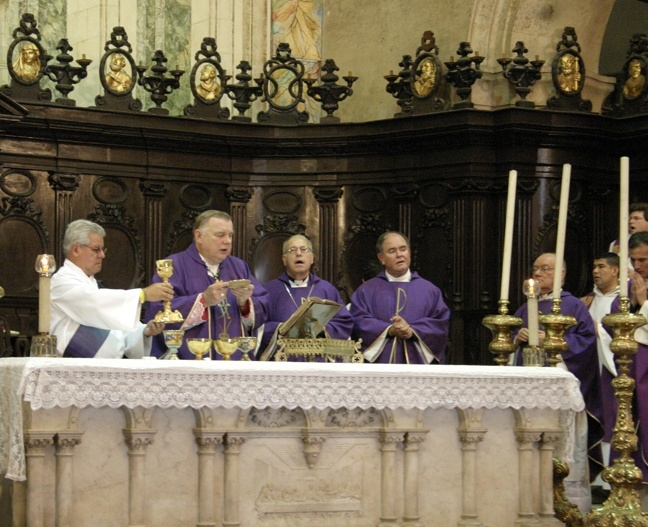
(293, 250)
(544, 269)
(97, 250)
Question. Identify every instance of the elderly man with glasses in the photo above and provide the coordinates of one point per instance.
(89, 321)
(295, 285)
(581, 357)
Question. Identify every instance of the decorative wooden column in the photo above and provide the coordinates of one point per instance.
(403, 195)
(388, 495)
(411, 515)
(36, 443)
(64, 443)
(64, 186)
(471, 434)
(207, 441)
(239, 197)
(232, 484)
(526, 440)
(328, 198)
(547, 450)
(153, 194)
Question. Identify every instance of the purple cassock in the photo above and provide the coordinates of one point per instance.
(190, 279)
(419, 302)
(639, 372)
(284, 301)
(581, 359)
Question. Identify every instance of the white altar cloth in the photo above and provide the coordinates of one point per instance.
(48, 383)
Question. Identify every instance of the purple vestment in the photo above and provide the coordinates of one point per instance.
(190, 278)
(284, 301)
(581, 359)
(419, 302)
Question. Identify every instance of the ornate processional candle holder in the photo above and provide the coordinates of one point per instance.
(502, 326)
(64, 74)
(165, 271)
(329, 92)
(555, 325)
(158, 84)
(44, 344)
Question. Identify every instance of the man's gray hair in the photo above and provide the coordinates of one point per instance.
(78, 233)
(306, 241)
(204, 217)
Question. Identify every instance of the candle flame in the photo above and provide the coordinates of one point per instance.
(45, 264)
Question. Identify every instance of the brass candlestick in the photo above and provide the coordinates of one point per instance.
(165, 271)
(555, 325)
(502, 326)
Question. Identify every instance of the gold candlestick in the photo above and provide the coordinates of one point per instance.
(165, 271)
(502, 326)
(555, 325)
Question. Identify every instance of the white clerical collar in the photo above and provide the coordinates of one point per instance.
(407, 277)
(546, 296)
(211, 268)
(612, 293)
(298, 283)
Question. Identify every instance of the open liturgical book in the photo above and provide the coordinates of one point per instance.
(310, 319)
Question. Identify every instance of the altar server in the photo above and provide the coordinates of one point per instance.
(201, 283)
(400, 316)
(294, 286)
(90, 321)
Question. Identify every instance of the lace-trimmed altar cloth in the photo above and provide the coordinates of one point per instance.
(49, 383)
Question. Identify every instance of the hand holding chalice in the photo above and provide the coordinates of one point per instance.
(165, 271)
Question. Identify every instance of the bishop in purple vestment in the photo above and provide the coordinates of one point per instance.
(293, 287)
(201, 278)
(581, 357)
(401, 317)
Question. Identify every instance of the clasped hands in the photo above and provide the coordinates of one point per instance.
(400, 328)
(523, 336)
(217, 292)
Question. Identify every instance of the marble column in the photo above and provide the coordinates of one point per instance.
(328, 198)
(388, 494)
(137, 441)
(239, 197)
(526, 440)
(231, 490)
(36, 443)
(471, 434)
(547, 451)
(411, 515)
(207, 441)
(64, 443)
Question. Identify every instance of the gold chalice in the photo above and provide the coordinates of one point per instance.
(246, 345)
(165, 271)
(226, 347)
(199, 346)
(172, 340)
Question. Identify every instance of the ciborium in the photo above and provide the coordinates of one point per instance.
(173, 341)
(199, 347)
(165, 271)
(246, 345)
(226, 347)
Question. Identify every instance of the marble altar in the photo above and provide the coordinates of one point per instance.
(91, 442)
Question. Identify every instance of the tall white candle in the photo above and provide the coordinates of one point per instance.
(508, 235)
(624, 193)
(44, 295)
(532, 308)
(562, 228)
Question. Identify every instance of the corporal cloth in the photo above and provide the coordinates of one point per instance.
(190, 279)
(581, 359)
(284, 301)
(419, 302)
(93, 322)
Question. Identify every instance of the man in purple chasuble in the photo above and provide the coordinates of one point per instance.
(401, 317)
(201, 283)
(293, 287)
(581, 357)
